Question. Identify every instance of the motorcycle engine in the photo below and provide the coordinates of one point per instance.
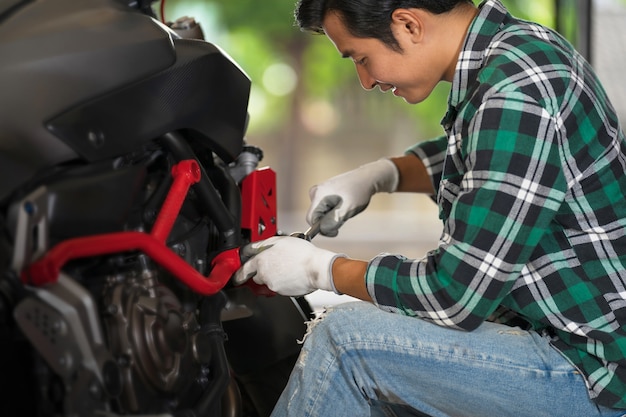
(119, 334)
(154, 340)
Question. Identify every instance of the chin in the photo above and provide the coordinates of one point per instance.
(412, 100)
(415, 95)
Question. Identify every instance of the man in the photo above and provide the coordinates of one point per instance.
(530, 183)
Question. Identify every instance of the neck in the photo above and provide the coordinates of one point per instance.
(460, 20)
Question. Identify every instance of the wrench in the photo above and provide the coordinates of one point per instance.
(247, 252)
(310, 233)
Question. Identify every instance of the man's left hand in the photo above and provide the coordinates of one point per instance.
(288, 266)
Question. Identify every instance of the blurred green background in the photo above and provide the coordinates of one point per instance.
(313, 120)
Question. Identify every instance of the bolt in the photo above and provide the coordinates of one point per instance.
(65, 360)
(200, 267)
(58, 327)
(30, 208)
(94, 389)
(111, 309)
(123, 361)
(180, 249)
(95, 138)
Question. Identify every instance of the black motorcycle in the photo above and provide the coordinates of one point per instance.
(126, 192)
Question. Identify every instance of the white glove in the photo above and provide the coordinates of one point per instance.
(288, 266)
(346, 195)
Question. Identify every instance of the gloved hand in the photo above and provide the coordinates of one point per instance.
(346, 195)
(288, 266)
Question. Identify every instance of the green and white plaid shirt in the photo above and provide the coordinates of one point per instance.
(531, 189)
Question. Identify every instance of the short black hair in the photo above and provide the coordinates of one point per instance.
(365, 18)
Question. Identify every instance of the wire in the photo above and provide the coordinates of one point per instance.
(162, 11)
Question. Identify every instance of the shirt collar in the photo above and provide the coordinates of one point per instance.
(492, 15)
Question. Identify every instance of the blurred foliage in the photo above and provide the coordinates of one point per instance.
(307, 108)
(261, 34)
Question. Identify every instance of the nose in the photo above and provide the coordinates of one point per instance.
(367, 82)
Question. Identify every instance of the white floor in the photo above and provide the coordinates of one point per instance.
(322, 299)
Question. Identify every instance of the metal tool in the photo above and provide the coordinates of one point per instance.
(310, 233)
(247, 252)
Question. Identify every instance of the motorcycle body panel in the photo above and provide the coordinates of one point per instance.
(202, 92)
(93, 80)
(100, 104)
(89, 202)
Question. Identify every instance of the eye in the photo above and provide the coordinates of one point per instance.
(360, 61)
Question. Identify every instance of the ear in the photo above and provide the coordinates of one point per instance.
(408, 22)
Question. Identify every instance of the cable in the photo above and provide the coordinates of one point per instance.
(162, 11)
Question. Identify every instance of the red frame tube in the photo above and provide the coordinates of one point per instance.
(186, 173)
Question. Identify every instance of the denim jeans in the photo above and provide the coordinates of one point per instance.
(361, 361)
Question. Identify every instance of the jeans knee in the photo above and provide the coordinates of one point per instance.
(338, 324)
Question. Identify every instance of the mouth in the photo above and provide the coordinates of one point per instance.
(386, 87)
(397, 92)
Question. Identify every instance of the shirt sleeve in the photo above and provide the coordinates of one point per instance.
(498, 210)
(432, 153)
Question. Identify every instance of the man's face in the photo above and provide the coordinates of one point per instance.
(410, 73)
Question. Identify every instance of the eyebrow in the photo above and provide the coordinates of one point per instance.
(347, 54)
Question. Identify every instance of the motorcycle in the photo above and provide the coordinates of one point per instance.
(127, 189)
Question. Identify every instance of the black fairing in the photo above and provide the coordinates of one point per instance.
(203, 92)
(93, 200)
(94, 79)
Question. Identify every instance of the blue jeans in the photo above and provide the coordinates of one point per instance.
(362, 361)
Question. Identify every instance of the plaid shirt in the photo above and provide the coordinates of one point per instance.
(531, 184)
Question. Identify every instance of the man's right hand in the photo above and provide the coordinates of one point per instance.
(345, 195)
